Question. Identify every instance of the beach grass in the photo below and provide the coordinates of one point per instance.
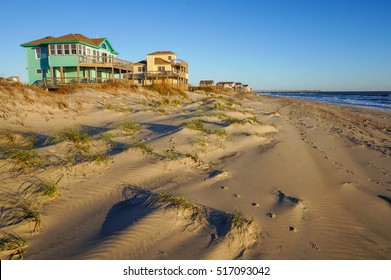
(17, 208)
(43, 188)
(195, 125)
(129, 127)
(192, 211)
(22, 159)
(143, 147)
(14, 244)
(243, 231)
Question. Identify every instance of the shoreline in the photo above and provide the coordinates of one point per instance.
(341, 103)
(304, 180)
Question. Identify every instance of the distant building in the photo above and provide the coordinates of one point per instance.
(226, 85)
(207, 83)
(73, 58)
(162, 67)
(13, 79)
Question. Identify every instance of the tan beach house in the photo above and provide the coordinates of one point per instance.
(72, 59)
(207, 83)
(162, 67)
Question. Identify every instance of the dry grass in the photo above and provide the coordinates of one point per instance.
(16, 209)
(143, 147)
(129, 127)
(79, 137)
(243, 231)
(21, 159)
(192, 211)
(14, 244)
(42, 188)
(196, 125)
(167, 90)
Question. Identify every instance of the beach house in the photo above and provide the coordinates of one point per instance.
(162, 67)
(72, 59)
(226, 85)
(207, 83)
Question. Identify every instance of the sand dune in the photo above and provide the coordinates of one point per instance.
(245, 177)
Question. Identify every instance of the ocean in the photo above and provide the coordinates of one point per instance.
(366, 99)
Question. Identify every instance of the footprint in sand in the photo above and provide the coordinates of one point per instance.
(271, 215)
(224, 188)
(236, 195)
(217, 175)
(255, 204)
(314, 246)
(292, 229)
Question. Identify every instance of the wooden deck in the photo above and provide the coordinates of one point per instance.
(104, 62)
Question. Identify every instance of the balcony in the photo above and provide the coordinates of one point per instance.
(104, 61)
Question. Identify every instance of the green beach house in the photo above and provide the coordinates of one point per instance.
(73, 59)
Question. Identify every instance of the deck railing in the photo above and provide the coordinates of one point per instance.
(58, 82)
(109, 61)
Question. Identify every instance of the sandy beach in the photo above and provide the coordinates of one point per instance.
(138, 175)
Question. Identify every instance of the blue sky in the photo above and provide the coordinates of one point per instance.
(269, 44)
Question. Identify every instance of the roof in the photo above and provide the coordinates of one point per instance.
(206, 82)
(161, 52)
(141, 62)
(69, 38)
(225, 83)
(159, 60)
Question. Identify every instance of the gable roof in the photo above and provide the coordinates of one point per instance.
(69, 38)
(159, 60)
(141, 62)
(162, 52)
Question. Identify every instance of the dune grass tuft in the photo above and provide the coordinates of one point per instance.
(22, 159)
(191, 210)
(196, 125)
(16, 208)
(167, 90)
(129, 127)
(14, 244)
(143, 147)
(42, 188)
(243, 231)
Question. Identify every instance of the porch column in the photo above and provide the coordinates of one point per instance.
(62, 74)
(78, 74)
(51, 74)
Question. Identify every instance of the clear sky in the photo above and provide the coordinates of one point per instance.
(268, 44)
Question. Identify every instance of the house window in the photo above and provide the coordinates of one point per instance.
(169, 57)
(104, 46)
(52, 49)
(40, 53)
(161, 68)
(73, 48)
(59, 49)
(94, 52)
(66, 49)
(84, 50)
(40, 71)
(88, 51)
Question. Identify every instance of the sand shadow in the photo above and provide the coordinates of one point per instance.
(385, 198)
(128, 211)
